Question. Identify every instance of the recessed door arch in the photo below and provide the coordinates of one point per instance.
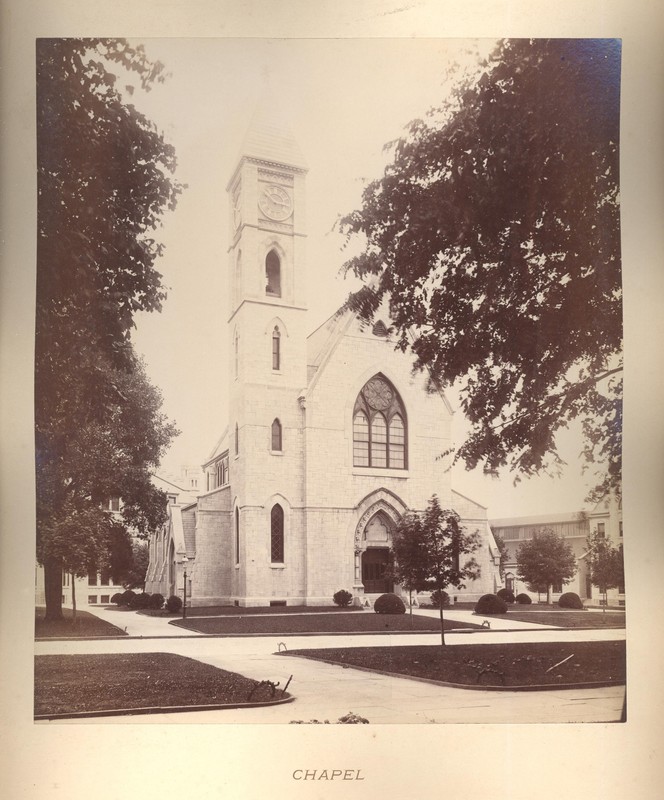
(375, 561)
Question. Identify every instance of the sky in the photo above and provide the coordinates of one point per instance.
(344, 100)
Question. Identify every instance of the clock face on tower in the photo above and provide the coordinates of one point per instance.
(275, 202)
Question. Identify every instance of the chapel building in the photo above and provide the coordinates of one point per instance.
(331, 438)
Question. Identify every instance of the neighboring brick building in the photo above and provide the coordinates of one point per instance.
(331, 438)
(605, 518)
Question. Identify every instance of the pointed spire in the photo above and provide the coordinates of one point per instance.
(269, 137)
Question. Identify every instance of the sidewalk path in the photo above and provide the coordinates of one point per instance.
(324, 691)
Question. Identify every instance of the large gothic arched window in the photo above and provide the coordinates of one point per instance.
(273, 274)
(379, 426)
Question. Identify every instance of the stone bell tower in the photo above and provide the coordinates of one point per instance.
(267, 341)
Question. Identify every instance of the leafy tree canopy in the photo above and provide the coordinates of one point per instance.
(137, 566)
(104, 183)
(428, 550)
(545, 560)
(83, 461)
(494, 232)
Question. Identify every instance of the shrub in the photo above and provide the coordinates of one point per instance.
(491, 604)
(348, 719)
(117, 598)
(570, 600)
(523, 599)
(141, 600)
(174, 604)
(156, 601)
(389, 604)
(126, 597)
(342, 598)
(505, 594)
(353, 719)
(438, 597)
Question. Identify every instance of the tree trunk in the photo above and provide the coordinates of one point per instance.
(410, 600)
(548, 594)
(442, 622)
(73, 597)
(53, 589)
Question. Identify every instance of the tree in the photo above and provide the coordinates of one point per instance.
(111, 453)
(494, 232)
(545, 560)
(605, 563)
(103, 186)
(427, 549)
(502, 549)
(134, 576)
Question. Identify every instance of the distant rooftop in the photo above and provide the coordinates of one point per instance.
(540, 519)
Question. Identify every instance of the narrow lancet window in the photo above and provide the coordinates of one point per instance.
(276, 436)
(276, 349)
(273, 274)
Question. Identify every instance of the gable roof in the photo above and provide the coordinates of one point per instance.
(323, 341)
(220, 447)
(183, 495)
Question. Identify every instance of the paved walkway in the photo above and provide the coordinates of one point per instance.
(324, 691)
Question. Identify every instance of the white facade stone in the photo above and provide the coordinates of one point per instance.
(327, 502)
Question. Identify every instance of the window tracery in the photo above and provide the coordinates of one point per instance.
(379, 426)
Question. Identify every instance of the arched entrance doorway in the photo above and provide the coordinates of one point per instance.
(378, 516)
(374, 564)
(376, 536)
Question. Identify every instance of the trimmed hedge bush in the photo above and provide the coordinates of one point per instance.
(491, 604)
(389, 604)
(156, 601)
(117, 598)
(570, 600)
(342, 598)
(141, 600)
(524, 599)
(438, 597)
(174, 604)
(127, 597)
(506, 594)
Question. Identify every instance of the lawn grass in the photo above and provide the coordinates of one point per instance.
(85, 625)
(67, 684)
(241, 611)
(494, 665)
(318, 623)
(564, 619)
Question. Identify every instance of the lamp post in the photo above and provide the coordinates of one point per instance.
(185, 560)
